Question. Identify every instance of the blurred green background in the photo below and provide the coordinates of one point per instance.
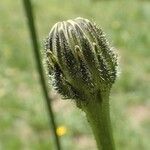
(23, 117)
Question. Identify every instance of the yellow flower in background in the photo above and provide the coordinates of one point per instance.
(61, 130)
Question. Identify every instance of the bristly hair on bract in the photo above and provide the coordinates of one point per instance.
(80, 59)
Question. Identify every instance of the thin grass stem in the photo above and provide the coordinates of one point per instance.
(33, 35)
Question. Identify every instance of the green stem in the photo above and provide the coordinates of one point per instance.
(33, 34)
(98, 115)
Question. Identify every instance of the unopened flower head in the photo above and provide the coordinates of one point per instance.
(80, 59)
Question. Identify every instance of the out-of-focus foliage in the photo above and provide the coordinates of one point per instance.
(23, 117)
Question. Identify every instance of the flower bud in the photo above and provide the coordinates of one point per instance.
(80, 59)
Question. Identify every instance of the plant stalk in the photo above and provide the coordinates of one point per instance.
(33, 34)
(98, 115)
